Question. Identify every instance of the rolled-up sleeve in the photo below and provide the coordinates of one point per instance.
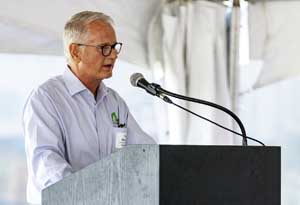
(44, 141)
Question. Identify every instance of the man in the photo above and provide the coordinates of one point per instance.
(74, 120)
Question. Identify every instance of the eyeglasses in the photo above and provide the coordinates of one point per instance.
(106, 49)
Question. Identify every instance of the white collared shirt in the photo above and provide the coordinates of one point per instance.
(66, 129)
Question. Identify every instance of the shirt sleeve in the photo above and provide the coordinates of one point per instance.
(44, 142)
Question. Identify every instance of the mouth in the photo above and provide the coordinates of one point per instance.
(108, 66)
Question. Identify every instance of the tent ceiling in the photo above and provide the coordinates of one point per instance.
(36, 26)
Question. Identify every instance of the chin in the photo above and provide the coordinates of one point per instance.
(107, 75)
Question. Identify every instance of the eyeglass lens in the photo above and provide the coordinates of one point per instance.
(106, 50)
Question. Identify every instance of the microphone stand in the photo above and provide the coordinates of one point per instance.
(234, 116)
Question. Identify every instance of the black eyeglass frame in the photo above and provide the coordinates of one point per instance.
(100, 47)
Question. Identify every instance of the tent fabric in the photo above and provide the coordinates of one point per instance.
(274, 31)
(173, 48)
(168, 62)
(194, 64)
(207, 71)
(36, 26)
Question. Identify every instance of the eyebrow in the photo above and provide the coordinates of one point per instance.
(105, 44)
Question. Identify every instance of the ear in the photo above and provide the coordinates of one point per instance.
(75, 52)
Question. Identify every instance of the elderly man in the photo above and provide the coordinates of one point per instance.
(74, 120)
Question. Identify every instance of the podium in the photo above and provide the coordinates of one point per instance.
(175, 175)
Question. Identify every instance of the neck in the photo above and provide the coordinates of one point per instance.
(89, 84)
(93, 87)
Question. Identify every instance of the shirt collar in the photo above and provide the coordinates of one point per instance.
(75, 86)
(102, 91)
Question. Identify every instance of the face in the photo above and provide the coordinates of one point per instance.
(91, 66)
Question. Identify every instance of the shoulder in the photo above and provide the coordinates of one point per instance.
(52, 86)
(47, 91)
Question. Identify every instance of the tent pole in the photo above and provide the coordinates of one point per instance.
(234, 58)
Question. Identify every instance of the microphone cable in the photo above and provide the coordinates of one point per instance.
(215, 123)
(162, 94)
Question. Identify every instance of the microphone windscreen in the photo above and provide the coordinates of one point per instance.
(134, 78)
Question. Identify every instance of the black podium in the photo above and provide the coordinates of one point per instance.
(175, 175)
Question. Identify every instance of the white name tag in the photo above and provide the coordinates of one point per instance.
(121, 139)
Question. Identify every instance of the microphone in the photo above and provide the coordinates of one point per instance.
(138, 80)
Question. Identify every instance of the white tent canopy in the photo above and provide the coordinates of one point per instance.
(274, 30)
(36, 26)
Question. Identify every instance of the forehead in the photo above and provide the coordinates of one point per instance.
(100, 32)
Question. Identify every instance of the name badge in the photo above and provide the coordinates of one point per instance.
(120, 138)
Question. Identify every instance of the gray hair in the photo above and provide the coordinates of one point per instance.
(76, 28)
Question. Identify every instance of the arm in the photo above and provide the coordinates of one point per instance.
(44, 141)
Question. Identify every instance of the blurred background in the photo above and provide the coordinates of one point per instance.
(240, 54)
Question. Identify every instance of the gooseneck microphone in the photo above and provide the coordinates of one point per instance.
(138, 80)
